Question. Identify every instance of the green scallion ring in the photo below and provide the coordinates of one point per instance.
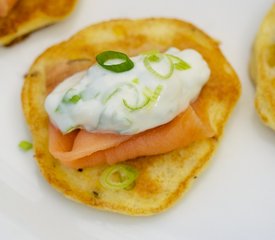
(138, 107)
(147, 64)
(126, 177)
(178, 62)
(103, 57)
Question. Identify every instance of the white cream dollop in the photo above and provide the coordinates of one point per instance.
(99, 105)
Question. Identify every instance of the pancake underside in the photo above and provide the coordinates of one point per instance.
(262, 69)
(163, 178)
(30, 15)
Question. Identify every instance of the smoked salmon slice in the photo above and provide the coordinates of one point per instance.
(6, 6)
(80, 149)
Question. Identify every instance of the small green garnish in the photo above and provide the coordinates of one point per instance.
(105, 100)
(58, 109)
(138, 107)
(126, 65)
(71, 96)
(118, 177)
(135, 81)
(150, 97)
(174, 62)
(117, 90)
(147, 63)
(148, 92)
(70, 129)
(74, 99)
(153, 95)
(156, 93)
(154, 58)
(25, 145)
(179, 64)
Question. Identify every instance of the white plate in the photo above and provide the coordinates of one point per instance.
(233, 199)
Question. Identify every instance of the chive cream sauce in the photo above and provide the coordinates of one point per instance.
(153, 92)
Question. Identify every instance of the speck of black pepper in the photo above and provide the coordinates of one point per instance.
(80, 170)
(96, 195)
(195, 177)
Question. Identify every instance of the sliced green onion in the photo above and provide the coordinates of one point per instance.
(156, 93)
(74, 99)
(179, 64)
(117, 90)
(148, 92)
(70, 129)
(138, 107)
(118, 177)
(128, 121)
(126, 65)
(153, 95)
(25, 145)
(71, 96)
(147, 64)
(58, 109)
(111, 95)
(135, 81)
(154, 58)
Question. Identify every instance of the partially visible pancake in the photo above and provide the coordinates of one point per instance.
(162, 178)
(262, 69)
(6, 6)
(29, 15)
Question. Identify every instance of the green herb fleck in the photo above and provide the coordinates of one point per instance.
(138, 107)
(156, 93)
(58, 109)
(182, 66)
(154, 58)
(71, 96)
(111, 95)
(179, 64)
(74, 99)
(135, 81)
(70, 129)
(25, 145)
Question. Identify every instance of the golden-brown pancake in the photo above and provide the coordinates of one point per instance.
(162, 178)
(29, 15)
(262, 69)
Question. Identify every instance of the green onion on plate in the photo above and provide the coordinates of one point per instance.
(25, 145)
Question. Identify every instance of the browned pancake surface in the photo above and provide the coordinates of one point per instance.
(30, 15)
(163, 178)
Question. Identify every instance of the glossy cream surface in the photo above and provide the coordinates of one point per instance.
(130, 102)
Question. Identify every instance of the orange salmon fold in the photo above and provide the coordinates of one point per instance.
(81, 149)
